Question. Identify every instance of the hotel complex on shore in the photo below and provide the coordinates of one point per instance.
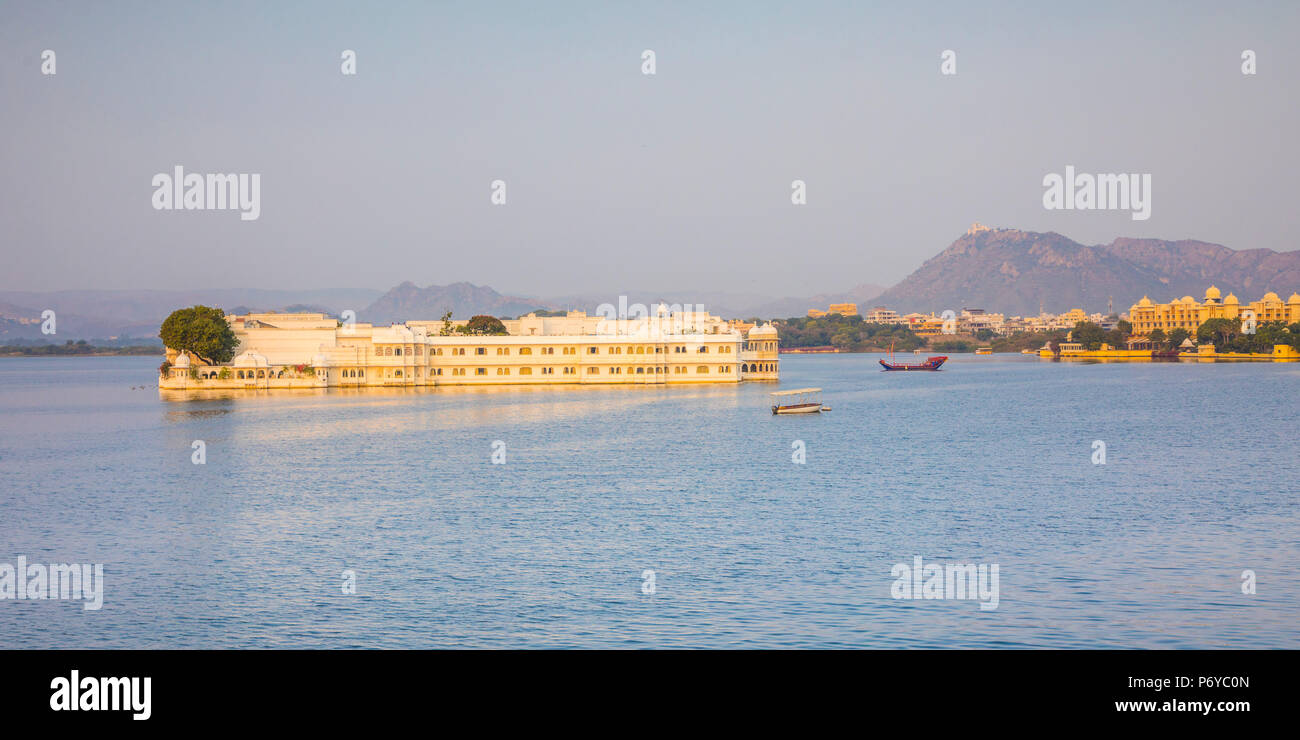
(1187, 313)
(313, 350)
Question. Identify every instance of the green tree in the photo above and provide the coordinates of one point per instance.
(485, 325)
(1176, 337)
(1090, 335)
(1221, 332)
(1158, 337)
(202, 331)
(446, 324)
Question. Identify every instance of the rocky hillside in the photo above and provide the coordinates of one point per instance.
(1017, 272)
(409, 301)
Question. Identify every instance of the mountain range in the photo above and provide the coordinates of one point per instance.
(1020, 272)
(1003, 270)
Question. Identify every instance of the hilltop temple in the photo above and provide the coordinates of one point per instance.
(313, 350)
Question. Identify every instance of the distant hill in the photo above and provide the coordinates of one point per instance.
(101, 314)
(1015, 272)
(410, 302)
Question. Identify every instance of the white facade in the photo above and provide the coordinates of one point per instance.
(314, 350)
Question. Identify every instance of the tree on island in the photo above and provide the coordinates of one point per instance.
(485, 325)
(1091, 336)
(1219, 332)
(202, 331)
(1176, 337)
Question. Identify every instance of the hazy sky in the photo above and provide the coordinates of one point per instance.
(616, 179)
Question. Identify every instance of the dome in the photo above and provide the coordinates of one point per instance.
(1212, 293)
(1232, 298)
(1188, 299)
(1271, 296)
(1295, 298)
(250, 359)
(182, 360)
(1145, 302)
(766, 330)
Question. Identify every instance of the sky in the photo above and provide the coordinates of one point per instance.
(679, 180)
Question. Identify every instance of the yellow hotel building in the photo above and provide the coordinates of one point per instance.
(1186, 313)
(312, 350)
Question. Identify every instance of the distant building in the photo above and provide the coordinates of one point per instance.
(843, 309)
(1186, 313)
(882, 315)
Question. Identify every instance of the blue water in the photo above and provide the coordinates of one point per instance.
(989, 461)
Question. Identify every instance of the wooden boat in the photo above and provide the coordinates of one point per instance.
(984, 351)
(798, 401)
(933, 362)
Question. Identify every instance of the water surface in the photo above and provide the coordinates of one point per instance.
(988, 461)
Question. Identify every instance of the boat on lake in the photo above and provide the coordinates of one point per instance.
(931, 363)
(934, 362)
(798, 401)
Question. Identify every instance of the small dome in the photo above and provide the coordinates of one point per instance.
(1232, 298)
(1295, 298)
(182, 360)
(766, 330)
(1145, 302)
(1212, 293)
(1271, 296)
(250, 359)
(1188, 299)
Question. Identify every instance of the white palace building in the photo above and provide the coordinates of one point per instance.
(313, 350)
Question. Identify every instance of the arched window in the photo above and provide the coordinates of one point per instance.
(261, 373)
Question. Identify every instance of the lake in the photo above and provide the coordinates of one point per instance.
(990, 461)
